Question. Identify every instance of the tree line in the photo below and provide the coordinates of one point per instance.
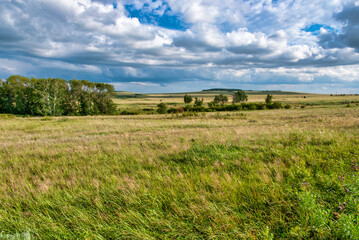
(55, 97)
(218, 104)
(238, 96)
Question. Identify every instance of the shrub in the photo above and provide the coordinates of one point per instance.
(212, 104)
(249, 106)
(195, 109)
(220, 99)
(175, 110)
(187, 99)
(261, 106)
(275, 105)
(162, 108)
(198, 102)
(129, 112)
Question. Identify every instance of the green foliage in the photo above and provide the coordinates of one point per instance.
(212, 104)
(269, 99)
(187, 99)
(2, 97)
(129, 112)
(51, 96)
(275, 105)
(220, 99)
(233, 107)
(198, 102)
(195, 108)
(162, 108)
(55, 97)
(240, 96)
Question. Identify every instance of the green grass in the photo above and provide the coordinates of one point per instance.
(274, 174)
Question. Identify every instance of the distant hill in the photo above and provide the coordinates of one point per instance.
(204, 93)
(222, 89)
(251, 92)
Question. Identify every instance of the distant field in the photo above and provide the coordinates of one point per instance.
(269, 174)
(135, 101)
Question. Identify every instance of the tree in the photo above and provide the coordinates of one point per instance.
(20, 93)
(7, 98)
(269, 99)
(162, 108)
(87, 98)
(103, 102)
(55, 97)
(53, 92)
(2, 97)
(187, 99)
(220, 99)
(81, 99)
(240, 96)
(198, 102)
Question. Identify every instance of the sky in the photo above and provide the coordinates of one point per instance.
(185, 45)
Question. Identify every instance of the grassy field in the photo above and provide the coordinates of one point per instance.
(270, 174)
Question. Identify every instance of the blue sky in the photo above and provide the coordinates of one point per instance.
(187, 45)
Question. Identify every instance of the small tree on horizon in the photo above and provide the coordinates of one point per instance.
(269, 99)
(220, 99)
(240, 96)
(187, 99)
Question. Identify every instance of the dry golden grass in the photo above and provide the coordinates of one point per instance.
(82, 134)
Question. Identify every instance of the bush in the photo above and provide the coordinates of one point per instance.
(162, 108)
(187, 99)
(195, 109)
(250, 106)
(275, 105)
(261, 106)
(288, 106)
(198, 102)
(212, 104)
(220, 99)
(129, 112)
(175, 110)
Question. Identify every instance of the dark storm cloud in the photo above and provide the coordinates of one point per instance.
(349, 36)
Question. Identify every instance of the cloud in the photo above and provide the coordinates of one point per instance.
(209, 42)
(349, 34)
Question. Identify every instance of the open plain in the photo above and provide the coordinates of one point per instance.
(267, 174)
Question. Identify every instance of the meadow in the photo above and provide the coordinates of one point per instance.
(269, 174)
